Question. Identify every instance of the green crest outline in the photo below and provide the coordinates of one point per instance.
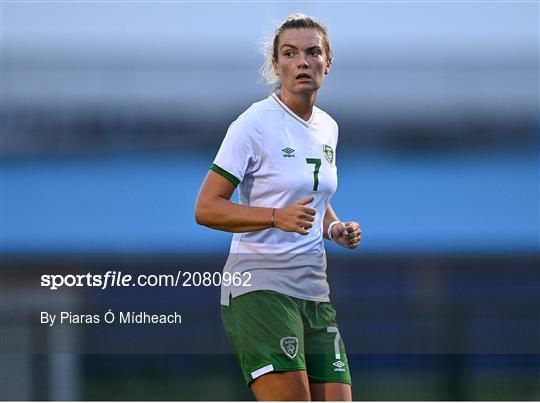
(289, 345)
(329, 154)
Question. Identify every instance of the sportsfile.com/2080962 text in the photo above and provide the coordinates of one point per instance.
(113, 278)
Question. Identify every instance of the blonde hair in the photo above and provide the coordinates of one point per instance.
(269, 46)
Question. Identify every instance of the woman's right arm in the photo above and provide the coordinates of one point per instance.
(214, 209)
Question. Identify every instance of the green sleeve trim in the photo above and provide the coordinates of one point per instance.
(230, 177)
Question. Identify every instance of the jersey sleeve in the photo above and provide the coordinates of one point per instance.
(336, 136)
(241, 150)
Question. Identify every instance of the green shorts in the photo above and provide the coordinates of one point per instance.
(272, 332)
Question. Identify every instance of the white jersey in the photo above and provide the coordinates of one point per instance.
(276, 158)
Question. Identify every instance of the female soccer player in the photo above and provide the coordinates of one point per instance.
(281, 154)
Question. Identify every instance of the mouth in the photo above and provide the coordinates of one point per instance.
(303, 76)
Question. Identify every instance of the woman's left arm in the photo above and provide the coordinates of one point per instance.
(346, 234)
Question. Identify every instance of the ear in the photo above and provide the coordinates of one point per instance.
(327, 68)
(276, 69)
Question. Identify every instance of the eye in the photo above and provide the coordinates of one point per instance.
(288, 53)
(315, 52)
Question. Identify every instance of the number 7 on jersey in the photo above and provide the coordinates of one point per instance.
(317, 162)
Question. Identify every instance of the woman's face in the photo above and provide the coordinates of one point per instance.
(301, 61)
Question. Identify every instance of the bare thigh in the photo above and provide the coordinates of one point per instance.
(330, 391)
(290, 385)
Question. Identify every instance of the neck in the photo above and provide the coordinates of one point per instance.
(300, 103)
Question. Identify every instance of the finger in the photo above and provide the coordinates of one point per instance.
(354, 234)
(352, 226)
(352, 241)
(306, 217)
(302, 231)
(305, 201)
(355, 229)
(342, 229)
(305, 224)
(310, 210)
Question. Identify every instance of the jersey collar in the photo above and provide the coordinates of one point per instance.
(291, 113)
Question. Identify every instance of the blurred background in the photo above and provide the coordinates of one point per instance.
(112, 113)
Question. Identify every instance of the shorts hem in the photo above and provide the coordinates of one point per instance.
(311, 380)
(275, 369)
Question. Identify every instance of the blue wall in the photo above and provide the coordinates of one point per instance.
(432, 203)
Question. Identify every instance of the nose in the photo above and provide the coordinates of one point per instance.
(302, 62)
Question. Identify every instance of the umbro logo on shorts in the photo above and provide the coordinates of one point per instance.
(289, 345)
(339, 366)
